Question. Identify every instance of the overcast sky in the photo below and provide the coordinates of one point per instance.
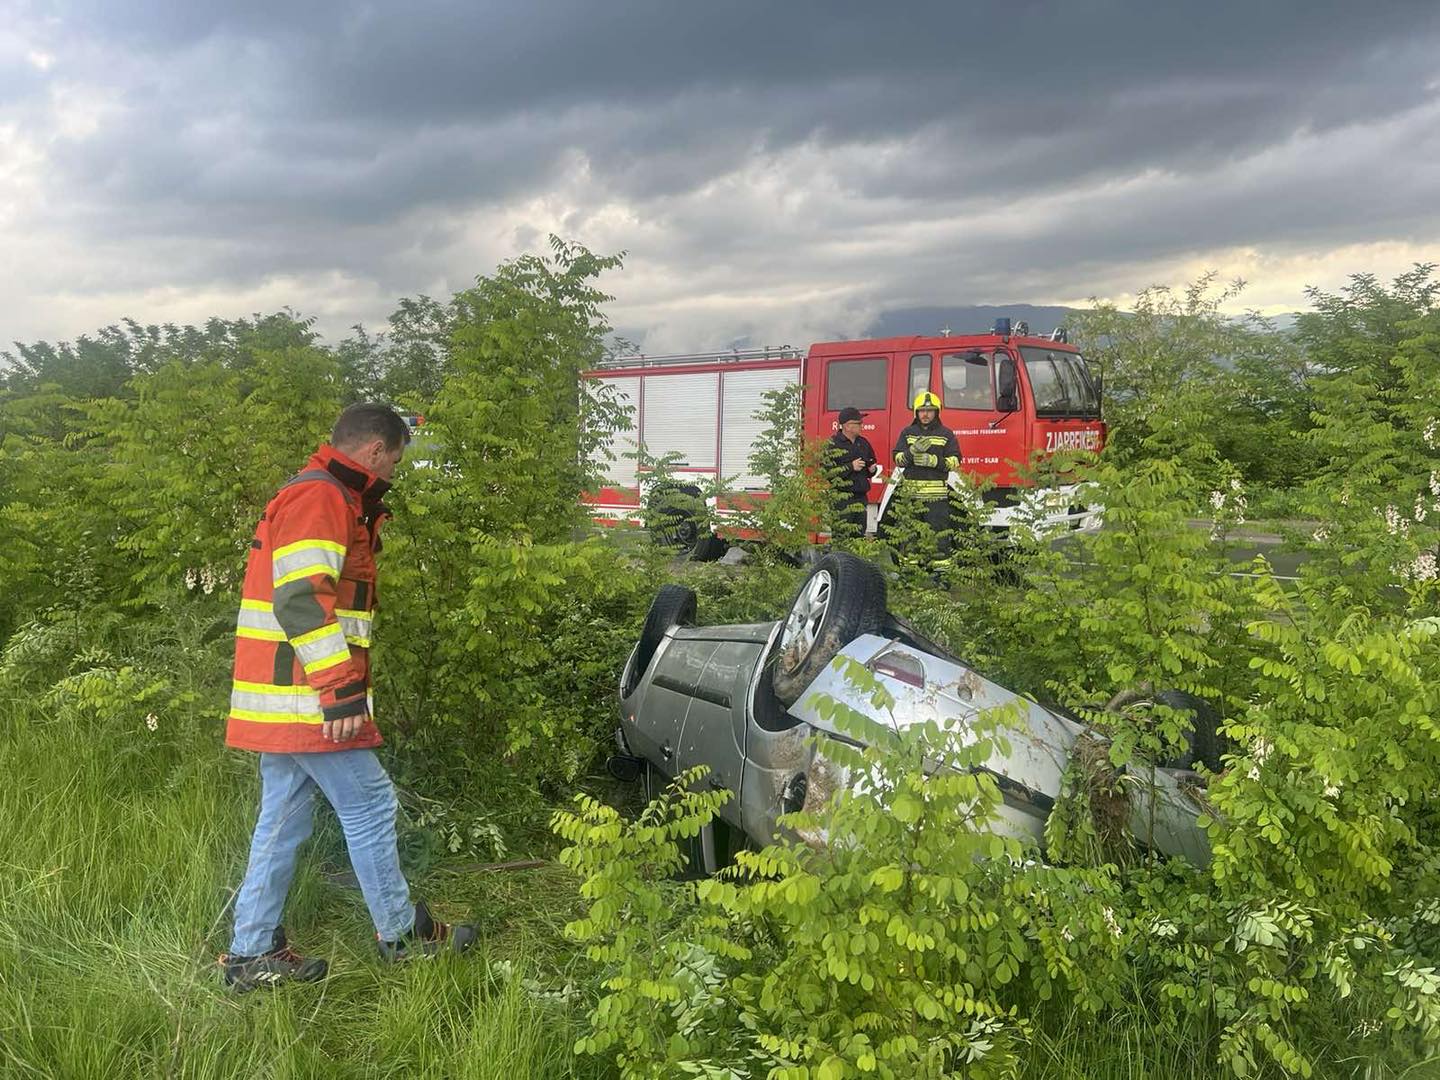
(781, 170)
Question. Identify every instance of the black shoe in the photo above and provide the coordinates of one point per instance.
(428, 937)
(280, 965)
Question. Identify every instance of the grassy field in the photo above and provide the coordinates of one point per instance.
(115, 876)
(116, 864)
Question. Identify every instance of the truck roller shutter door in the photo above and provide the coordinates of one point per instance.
(681, 417)
(621, 471)
(742, 397)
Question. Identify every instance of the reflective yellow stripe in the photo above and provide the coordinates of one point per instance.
(272, 689)
(327, 661)
(321, 648)
(306, 571)
(268, 703)
(304, 558)
(259, 635)
(301, 545)
(314, 635)
(256, 605)
(357, 626)
(277, 718)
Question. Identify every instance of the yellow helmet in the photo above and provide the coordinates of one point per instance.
(926, 400)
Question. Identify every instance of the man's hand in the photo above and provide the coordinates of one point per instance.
(857, 464)
(344, 729)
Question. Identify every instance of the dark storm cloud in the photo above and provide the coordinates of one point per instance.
(279, 138)
(484, 98)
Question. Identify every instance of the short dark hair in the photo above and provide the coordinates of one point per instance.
(850, 413)
(370, 420)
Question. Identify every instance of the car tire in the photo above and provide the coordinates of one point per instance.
(1203, 742)
(708, 549)
(842, 598)
(674, 605)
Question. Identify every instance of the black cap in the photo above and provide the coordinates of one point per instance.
(849, 413)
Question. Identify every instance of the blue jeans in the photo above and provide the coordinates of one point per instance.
(357, 786)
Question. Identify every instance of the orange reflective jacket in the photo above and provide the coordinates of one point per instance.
(302, 640)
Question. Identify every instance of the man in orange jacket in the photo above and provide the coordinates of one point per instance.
(301, 699)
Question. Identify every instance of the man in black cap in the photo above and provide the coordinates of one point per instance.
(851, 460)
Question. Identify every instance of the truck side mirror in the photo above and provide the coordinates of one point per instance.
(1007, 398)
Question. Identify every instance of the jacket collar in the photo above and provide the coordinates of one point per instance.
(349, 472)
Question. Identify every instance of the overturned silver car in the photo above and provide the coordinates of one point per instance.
(742, 700)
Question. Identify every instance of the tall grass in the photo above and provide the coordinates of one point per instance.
(115, 880)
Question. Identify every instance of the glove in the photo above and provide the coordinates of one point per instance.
(927, 461)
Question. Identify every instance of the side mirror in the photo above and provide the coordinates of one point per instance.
(1007, 397)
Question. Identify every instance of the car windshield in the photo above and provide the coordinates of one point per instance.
(1061, 383)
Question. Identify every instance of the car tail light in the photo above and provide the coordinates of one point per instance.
(900, 667)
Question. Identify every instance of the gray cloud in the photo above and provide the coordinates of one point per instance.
(856, 154)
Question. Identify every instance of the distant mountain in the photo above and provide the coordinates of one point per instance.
(975, 319)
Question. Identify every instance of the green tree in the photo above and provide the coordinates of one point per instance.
(1183, 379)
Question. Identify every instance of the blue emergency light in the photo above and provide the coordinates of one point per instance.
(1002, 328)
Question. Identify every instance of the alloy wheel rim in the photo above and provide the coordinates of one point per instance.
(807, 615)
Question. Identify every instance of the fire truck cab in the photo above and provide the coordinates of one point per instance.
(1005, 395)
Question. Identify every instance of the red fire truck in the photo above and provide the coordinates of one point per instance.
(1005, 395)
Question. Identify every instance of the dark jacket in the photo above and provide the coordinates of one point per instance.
(840, 452)
(928, 453)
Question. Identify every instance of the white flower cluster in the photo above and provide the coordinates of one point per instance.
(1331, 789)
(205, 579)
(1429, 434)
(1110, 923)
(152, 721)
(1424, 568)
(1259, 754)
(1396, 524)
(1233, 500)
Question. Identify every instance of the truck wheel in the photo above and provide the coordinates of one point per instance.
(843, 597)
(674, 605)
(674, 521)
(1203, 742)
(708, 549)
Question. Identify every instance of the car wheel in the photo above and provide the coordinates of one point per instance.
(674, 605)
(1203, 741)
(708, 549)
(843, 598)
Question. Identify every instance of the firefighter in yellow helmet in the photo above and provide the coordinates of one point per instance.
(928, 452)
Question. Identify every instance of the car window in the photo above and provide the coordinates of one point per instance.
(966, 377)
(857, 384)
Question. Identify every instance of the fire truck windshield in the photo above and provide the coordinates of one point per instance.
(1061, 384)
